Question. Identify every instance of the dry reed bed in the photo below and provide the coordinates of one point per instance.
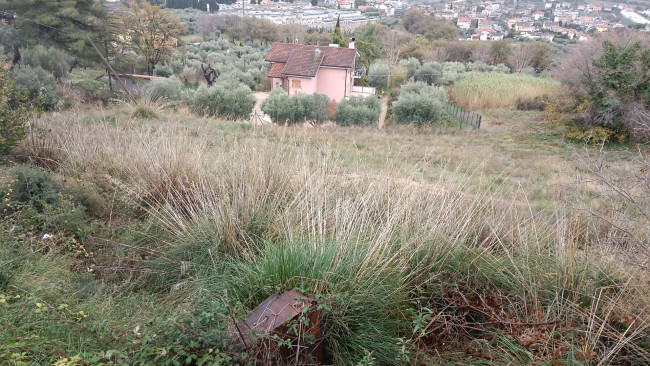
(498, 90)
(241, 190)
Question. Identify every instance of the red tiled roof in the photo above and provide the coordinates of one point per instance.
(303, 62)
(332, 56)
(276, 70)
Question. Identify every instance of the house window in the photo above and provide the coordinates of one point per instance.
(295, 84)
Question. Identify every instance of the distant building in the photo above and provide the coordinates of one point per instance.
(487, 34)
(524, 27)
(464, 23)
(345, 4)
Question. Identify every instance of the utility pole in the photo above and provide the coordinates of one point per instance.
(243, 5)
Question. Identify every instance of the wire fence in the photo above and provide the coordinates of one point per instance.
(465, 116)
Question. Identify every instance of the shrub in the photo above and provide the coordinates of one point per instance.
(358, 111)
(169, 88)
(129, 61)
(278, 107)
(609, 80)
(411, 65)
(419, 103)
(448, 73)
(190, 76)
(430, 73)
(298, 108)
(378, 74)
(32, 186)
(35, 81)
(531, 104)
(224, 99)
(51, 59)
(163, 70)
(14, 114)
(95, 90)
(594, 135)
(315, 107)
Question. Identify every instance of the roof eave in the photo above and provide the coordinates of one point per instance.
(300, 76)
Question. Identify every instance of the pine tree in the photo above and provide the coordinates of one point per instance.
(63, 24)
(338, 37)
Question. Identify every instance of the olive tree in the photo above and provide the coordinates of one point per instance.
(358, 111)
(226, 98)
(419, 103)
(298, 108)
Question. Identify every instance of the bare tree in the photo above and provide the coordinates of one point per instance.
(208, 23)
(391, 43)
(292, 33)
(481, 53)
(522, 57)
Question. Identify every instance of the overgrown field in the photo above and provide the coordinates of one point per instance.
(498, 90)
(501, 246)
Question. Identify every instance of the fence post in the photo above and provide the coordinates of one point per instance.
(464, 116)
(462, 119)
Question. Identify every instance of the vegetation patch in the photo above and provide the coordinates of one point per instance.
(420, 104)
(358, 111)
(497, 90)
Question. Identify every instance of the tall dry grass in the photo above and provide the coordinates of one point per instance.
(275, 213)
(498, 90)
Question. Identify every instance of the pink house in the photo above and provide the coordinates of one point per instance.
(300, 68)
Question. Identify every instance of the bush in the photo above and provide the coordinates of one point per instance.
(314, 107)
(129, 62)
(190, 76)
(430, 73)
(32, 186)
(378, 74)
(224, 99)
(298, 108)
(95, 90)
(35, 81)
(51, 59)
(14, 114)
(278, 107)
(531, 104)
(163, 70)
(609, 81)
(419, 103)
(169, 89)
(594, 135)
(358, 111)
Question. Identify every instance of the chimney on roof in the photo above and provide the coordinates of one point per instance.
(334, 45)
(351, 45)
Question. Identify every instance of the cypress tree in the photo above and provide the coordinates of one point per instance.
(338, 37)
